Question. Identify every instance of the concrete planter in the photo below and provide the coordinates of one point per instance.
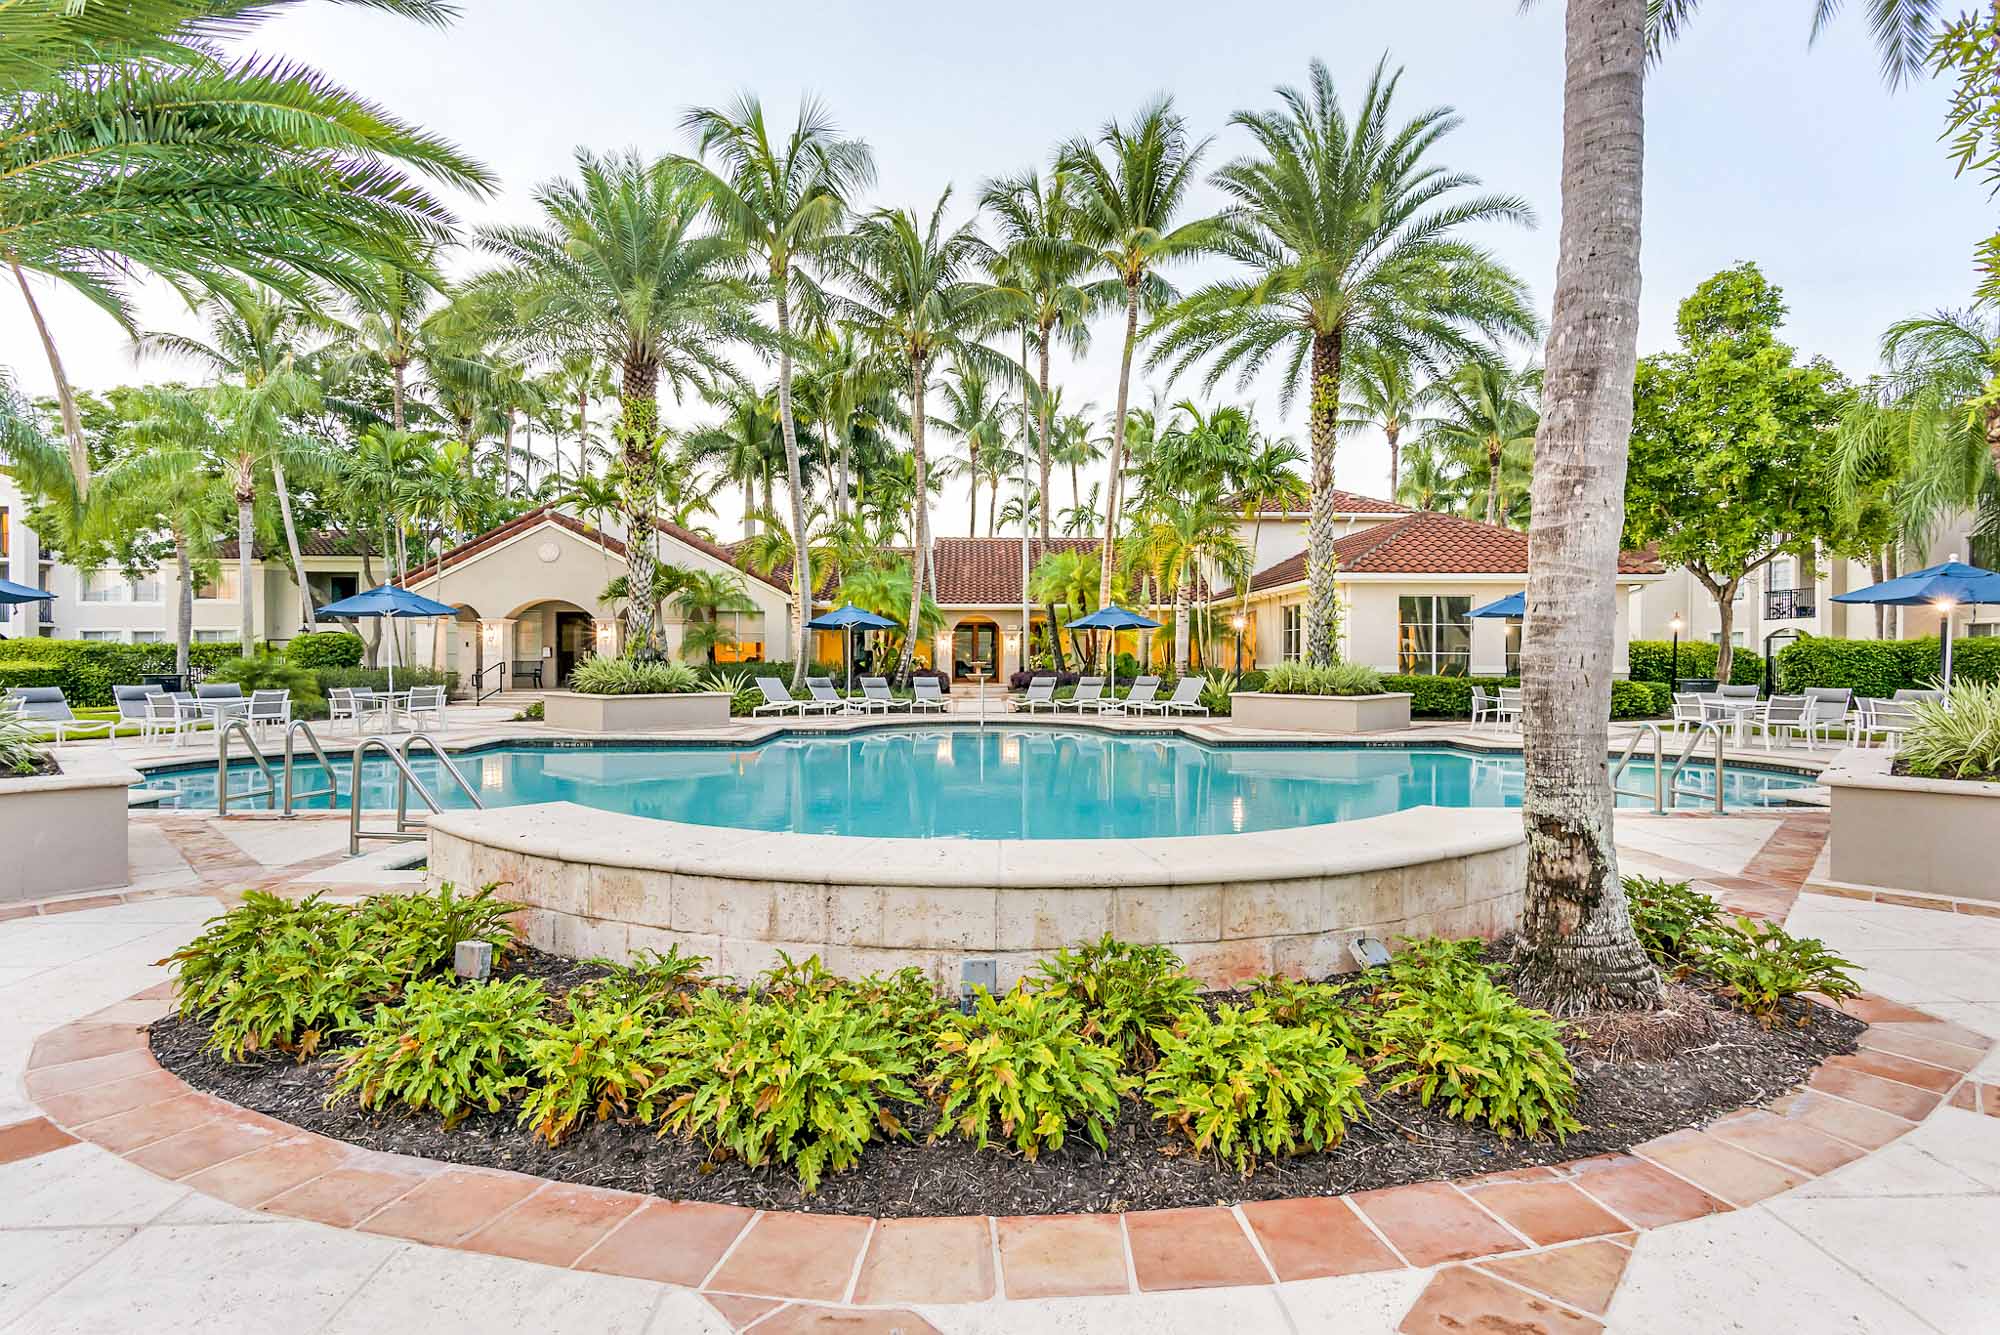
(1320, 713)
(62, 833)
(1934, 836)
(567, 711)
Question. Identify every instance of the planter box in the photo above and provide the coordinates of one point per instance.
(1320, 713)
(567, 711)
(66, 832)
(1935, 836)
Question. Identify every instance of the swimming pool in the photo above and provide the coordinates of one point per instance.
(1007, 782)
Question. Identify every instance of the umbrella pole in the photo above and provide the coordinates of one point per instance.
(1945, 630)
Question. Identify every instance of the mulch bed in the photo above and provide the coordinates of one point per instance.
(38, 767)
(1696, 1061)
(1900, 767)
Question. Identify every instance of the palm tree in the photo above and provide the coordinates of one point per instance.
(1188, 534)
(1266, 478)
(975, 415)
(1487, 425)
(1351, 239)
(913, 292)
(743, 448)
(701, 599)
(1130, 187)
(621, 267)
(372, 489)
(1384, 395)
(1077, 447)
(784, 203)
(131, 147)
(1432, 481)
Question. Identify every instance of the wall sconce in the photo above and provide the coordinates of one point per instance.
(607, 639)
(490, 638)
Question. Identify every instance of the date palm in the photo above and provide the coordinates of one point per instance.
(623, 267)
(912, 290)
(1352, 237)
(130, 147)
(784, 201)
(1132, 185)
(1486, 422)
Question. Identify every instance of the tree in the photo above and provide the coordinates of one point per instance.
(974, 413)
(784, 203)
(1385, 395)
(1266, 477)
(130, 146)
(1189, 533)
(701, 598)
(621, 267)
(912, 292)
(1729, 465)
(1432, 480)
(1487, 426)
(1352, 239)
(1131, 186)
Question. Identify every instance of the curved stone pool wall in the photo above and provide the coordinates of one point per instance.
(1232, 906)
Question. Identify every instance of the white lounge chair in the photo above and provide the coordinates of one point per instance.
(131, 702)
(1041, 695)
(875, 694)
(1689, 712)
(778, 698)
(1089, 696)
(930, 697)
(48, 707)
(164, 718)
(1781, 713)
(1483, 705)
(1186, 698)
(824, 694)
(1826, 709)
(1144, 689)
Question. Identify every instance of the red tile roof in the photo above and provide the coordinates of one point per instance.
(1429, 543)
(548, 514)
(1344, 503)
(330, 543)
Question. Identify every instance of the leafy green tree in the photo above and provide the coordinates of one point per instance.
(1432, 480)
(1187, 535)
(1353, 238)
(1728, 460)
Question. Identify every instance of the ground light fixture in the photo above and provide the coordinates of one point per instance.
(1238, 622)
(1674, 673)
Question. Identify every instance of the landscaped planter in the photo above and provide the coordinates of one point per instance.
(1320, 713)
(567, 711)
(1934, 836)
(65, 832)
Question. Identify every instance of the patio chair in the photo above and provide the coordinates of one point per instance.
(1089, 695)
(270, 709)
(1781, 713)
(930, 697)
(1891, 718)
(1689, 711)
(875, 694)
(778, 698)
(131, 702)
(1507, 710)
(1910, 697)
(1144, 689)
(1738, 692)
(1186, 698)
(1041, 695)
(1826, 708)
(426, 700)
(164, 718)
(1483, 706)
(49, 707)
(821, 689)
(222, 701)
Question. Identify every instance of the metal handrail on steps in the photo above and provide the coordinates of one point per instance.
(1674, 790)
(332, 789)
(481, 692)
(399, 756)
(223, 732)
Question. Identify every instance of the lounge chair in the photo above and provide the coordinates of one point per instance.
(270, 709)
(1781, 713)
(778, 698)
(1144, 689)
(131, 702)
(49, 707)
(875, 694)
(1041, 695)
(1688, 711)
(1826, 709)
(1483, 705)
(1186, 698)
(929, 696)
(1089, 695)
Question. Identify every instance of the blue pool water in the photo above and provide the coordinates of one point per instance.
(995, 783)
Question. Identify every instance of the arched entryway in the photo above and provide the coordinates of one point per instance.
(975, 648)
(550, 638)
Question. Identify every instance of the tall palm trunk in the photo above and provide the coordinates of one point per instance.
(1323, 421)
(79, 453)
(1042, 502)
(1580, 949)
(306, 607)
(1181, 602)
(846, 461)
(1881, 609)
(183, 603)
(246, 533)
(399, 391)
(1118, 443)
(802, 576)
(371, 629)
(920, 546)
(1492, 479)
(1042, 416)
(638, 424)
(1393, 429)
(972, 519)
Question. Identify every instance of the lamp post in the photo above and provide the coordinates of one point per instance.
(1237, 622)
(1675, 674)
(1945, 607)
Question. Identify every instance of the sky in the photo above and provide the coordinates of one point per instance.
(1759, 146)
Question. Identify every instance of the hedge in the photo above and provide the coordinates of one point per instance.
(23, 673)
(325, 649)
(1451, 697)
(1653, 660)
(88, 669)
(1883, 667)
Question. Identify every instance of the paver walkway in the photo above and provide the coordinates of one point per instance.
(1893, 1240)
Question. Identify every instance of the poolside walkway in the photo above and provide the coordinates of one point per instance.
(1866, 1205)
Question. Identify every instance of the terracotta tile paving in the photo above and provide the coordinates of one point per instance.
(1723, 1170)
(1855, 1123)
(1430, 1223)
(739, 1311)
(106, 1100)
(1934, 1050)
(1643, 1193)
(927, 1260)
(1202, 1248)
(71, 1076)
(1875, 1010)
(77, 1042)
(1061, 1255)
(444, 1208)
(1938, 1031)
(343, 1197)
(674, 1242)
(556, 1225)
(203, 1147)
(1460, 1299)
(1547, 1213)
(799, 1318)
(1787, 1141)
(1584, 1276)
(256, 1178)
(25, 1140)
(1887, 1095)
(1313, 1237)
(1903, 1070)
(808, 1256)
(128, 1131)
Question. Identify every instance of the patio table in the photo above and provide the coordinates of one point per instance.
(1736, 712)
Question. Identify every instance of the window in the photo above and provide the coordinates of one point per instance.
(1513, 647)
(1739, 638)
(1434, 635)
(1783, 573)
(102, 636)
(226, 587)
(216, 636)
(148, 636)
(1983, 629)
(146, 589)
(106, 586)
(1292, 636)
(6, 534)
(749, 642)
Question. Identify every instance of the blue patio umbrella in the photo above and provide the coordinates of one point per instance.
(847, 618)
(386, 601)
(1942, 586)
(1114, 619)
(12, 593)
(1513, 605)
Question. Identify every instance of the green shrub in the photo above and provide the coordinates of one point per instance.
(1338, 679)
(744, 697)
(1867, 667)
(20, 752)
(325, 649)
(22, 672)
(1244, 1085)
(1958, 737)
(377, 679)
(534, 713)
(1123, 991)
(1437, 963)
(1635, 699)
(602, 1061)
(1023, 1064)
(1669, 917)
(447, 1048)
(1973, 659)
(906, 1003)
(1760, 964)
(1256, 679)
(649, 981)
(601, 674)
(1217, 687)
(1489, 1058)
(796, 980)
(808, 1084)
(88, 669)
(1653, 660)
(269, 672)
(432, 925)
(1331, 1007)
(1442, 697)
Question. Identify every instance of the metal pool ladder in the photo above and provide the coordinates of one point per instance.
(1667, 790)
(271, 787)
(399, 756)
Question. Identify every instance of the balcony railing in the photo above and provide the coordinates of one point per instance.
(1790, 605)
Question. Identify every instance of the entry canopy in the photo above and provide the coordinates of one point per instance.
(1513, 605)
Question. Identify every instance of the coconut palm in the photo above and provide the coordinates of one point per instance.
(1352, 239)
(913, 291)
(1078, 445)
(973, 412)
(746, 448)
(1187, 535)
(1266, 479)
(701, 599)
(622, 267)
(1384, 395)
(1131, 187)
(131, 147)
(784, 202)
(1432, 480)
(1486, 423)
